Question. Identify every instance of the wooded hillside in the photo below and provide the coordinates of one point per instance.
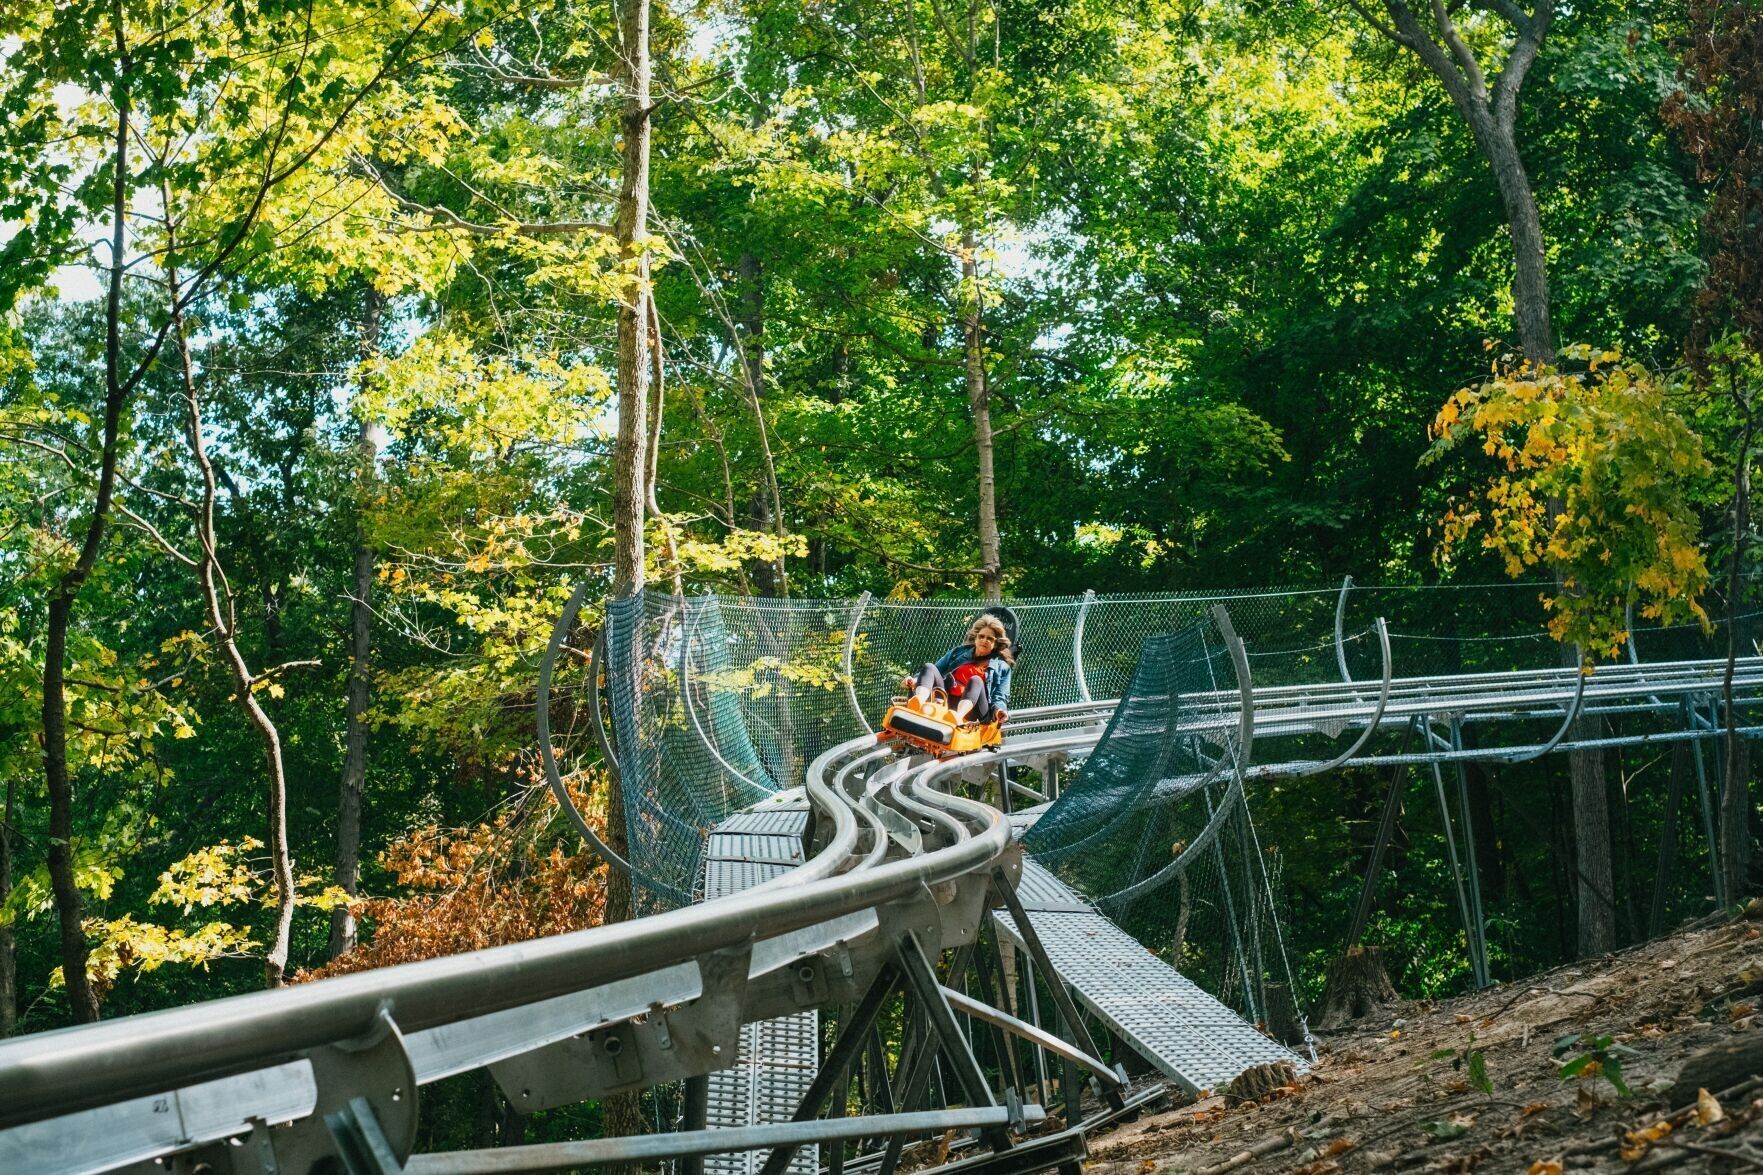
(340, 340)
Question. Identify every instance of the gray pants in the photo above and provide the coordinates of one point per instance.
(930, 677)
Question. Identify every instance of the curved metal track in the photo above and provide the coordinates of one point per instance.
(901, 869)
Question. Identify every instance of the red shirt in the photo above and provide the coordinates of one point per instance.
(966, 673)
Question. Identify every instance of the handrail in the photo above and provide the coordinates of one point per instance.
(850, 654)
(1340, 648)
(1077, 645)
(1383, 701)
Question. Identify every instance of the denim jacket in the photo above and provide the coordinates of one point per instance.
(997, 673)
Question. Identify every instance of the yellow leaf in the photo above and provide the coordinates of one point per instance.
(1708, 1110)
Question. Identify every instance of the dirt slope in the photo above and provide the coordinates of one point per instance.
(1405, 1091)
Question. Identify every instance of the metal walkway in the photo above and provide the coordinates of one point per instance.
(1185, 1033)
(777, 1059)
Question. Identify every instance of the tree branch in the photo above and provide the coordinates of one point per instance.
(1466, 61)
(445, 219)
(1518, 62)
(545, 80)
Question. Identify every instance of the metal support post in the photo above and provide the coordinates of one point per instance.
(1034, 1017)
(880, 1089)
(695, 1116)
(1707, 812)
(361, 1144)
(1230, 916)
(1386, 829)
(1008, 1065)
(1249, 860)
(1037, 951)
(1004, 786)
(835, 1162)
(852, 1036)
(1475, 906)
(923, 979)
(1476, 965)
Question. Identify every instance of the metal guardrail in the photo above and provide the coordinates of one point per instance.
(333, 1068)
(286, 1080)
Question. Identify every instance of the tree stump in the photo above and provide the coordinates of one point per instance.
(1357, 986)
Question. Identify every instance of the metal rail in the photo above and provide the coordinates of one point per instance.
(662, 998)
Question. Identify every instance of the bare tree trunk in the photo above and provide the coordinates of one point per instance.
(82, 999)
(360, 649)
(979, 401)
(767, 510)
(1591, 823)
(1524, 226)
(629, 493)
(222, 615)
(8, 952)
(1735, 799)
(629, 460)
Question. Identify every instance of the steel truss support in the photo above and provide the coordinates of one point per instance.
(1037, 953)
(1472, 928)
(923, 979)
(649, 1148)
(853, 1035)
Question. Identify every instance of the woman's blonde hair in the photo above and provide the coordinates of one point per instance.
(993, 627)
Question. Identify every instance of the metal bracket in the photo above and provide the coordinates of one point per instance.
(661, 1045)
(360, 1143)
(373, 1070)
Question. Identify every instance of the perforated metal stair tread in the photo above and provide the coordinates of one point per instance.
(1187, 1034)
(777, 1059)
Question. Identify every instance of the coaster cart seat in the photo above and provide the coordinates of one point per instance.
(932, 727)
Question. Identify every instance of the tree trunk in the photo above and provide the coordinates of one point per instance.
(82, 999)
(223, 617)
(1524, 226)
(623, 1112)
(629, 491)
(1735, 798)
(360, 647)
(8, 954)
(979, 401)
(766, 509)
(1357, 985)
(1591, 824)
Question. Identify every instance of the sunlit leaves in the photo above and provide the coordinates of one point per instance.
(1595, 483)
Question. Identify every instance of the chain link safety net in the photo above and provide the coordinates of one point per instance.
(718, 701)
(1157, 829)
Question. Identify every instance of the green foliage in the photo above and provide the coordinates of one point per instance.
(1471, 1062)
(1596, 1055)
(1229, 261)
